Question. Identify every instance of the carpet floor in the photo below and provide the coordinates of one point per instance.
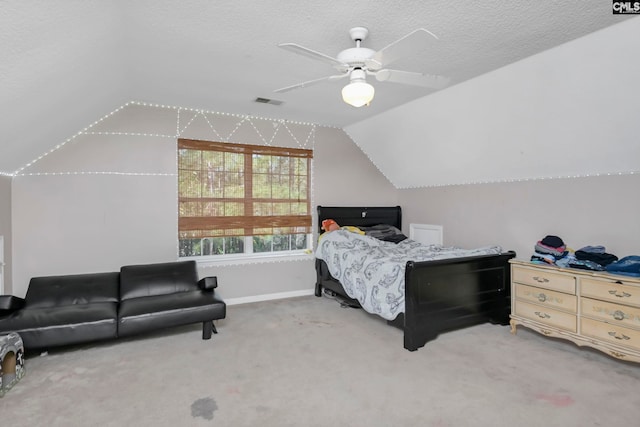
(309, 362)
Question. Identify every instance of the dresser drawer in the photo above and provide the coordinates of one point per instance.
(610, 290)
(613, 313)
(546, 297)
(544, 279)
(545, 315)
(611, 333)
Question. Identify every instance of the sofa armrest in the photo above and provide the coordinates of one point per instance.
(208, 283)
(10, 303)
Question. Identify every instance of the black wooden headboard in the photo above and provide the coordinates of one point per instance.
(361, 216)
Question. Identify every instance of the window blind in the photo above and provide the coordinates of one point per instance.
(227, 189)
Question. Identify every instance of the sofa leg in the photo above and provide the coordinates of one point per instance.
(207, 328)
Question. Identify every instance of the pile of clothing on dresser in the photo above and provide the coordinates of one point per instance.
(553, 251)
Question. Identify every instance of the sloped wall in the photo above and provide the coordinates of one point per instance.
(108, 197)
(569, 111)
(61, 63)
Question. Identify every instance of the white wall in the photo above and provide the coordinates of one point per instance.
(109, 197)
(581, 211)
(2, 291)
(5, 228)
(572, 110)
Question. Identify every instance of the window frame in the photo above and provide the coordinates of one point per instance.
(248, 255)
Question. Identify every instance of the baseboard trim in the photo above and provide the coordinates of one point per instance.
(268, 297)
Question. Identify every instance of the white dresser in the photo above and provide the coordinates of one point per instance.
(595, 309)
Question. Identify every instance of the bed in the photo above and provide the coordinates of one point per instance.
(439, 295)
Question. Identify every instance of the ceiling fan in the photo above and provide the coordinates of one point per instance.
(359, 62)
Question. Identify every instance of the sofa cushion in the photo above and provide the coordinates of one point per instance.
(57, 291)
(157, 279)
(63, 325)
(162, 311)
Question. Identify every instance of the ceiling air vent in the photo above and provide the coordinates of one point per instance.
(268, 101)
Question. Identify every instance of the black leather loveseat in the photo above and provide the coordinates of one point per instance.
(71, 309)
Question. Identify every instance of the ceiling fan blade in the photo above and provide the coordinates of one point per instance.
(311, 82)
(411, 44)
(410, 78)
(301, 50)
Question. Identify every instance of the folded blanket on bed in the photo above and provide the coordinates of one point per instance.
(385, 232)
(372, 271)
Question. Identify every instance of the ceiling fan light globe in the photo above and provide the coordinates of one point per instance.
(358, 93)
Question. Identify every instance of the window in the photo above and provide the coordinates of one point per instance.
(242, 199)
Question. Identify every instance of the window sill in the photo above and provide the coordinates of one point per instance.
(224, 260)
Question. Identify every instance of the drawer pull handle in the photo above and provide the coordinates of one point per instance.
(540, 279)
(618, 315)
(618, 337)
(542, 315)
(542, 297)
(619, 295)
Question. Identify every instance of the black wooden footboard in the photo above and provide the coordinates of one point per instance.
(451, 294)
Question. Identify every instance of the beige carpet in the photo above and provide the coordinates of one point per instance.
(308, 362)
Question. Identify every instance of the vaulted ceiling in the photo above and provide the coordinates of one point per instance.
(65, 64)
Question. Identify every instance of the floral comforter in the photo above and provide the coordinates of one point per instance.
(372, 270)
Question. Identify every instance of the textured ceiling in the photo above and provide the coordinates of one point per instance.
(67, 63)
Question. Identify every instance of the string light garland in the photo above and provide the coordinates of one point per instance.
(311, 134)
(227, 139)
(494, 181)
(219, 113)
(210, 125)
(178, 122)
(57, 147)
(262, 137)
(275, 132)
(370, 159)
(155, 135)
(197, 113)
(180, 132)
(99, 173)
(278, 123)
(532, 179)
